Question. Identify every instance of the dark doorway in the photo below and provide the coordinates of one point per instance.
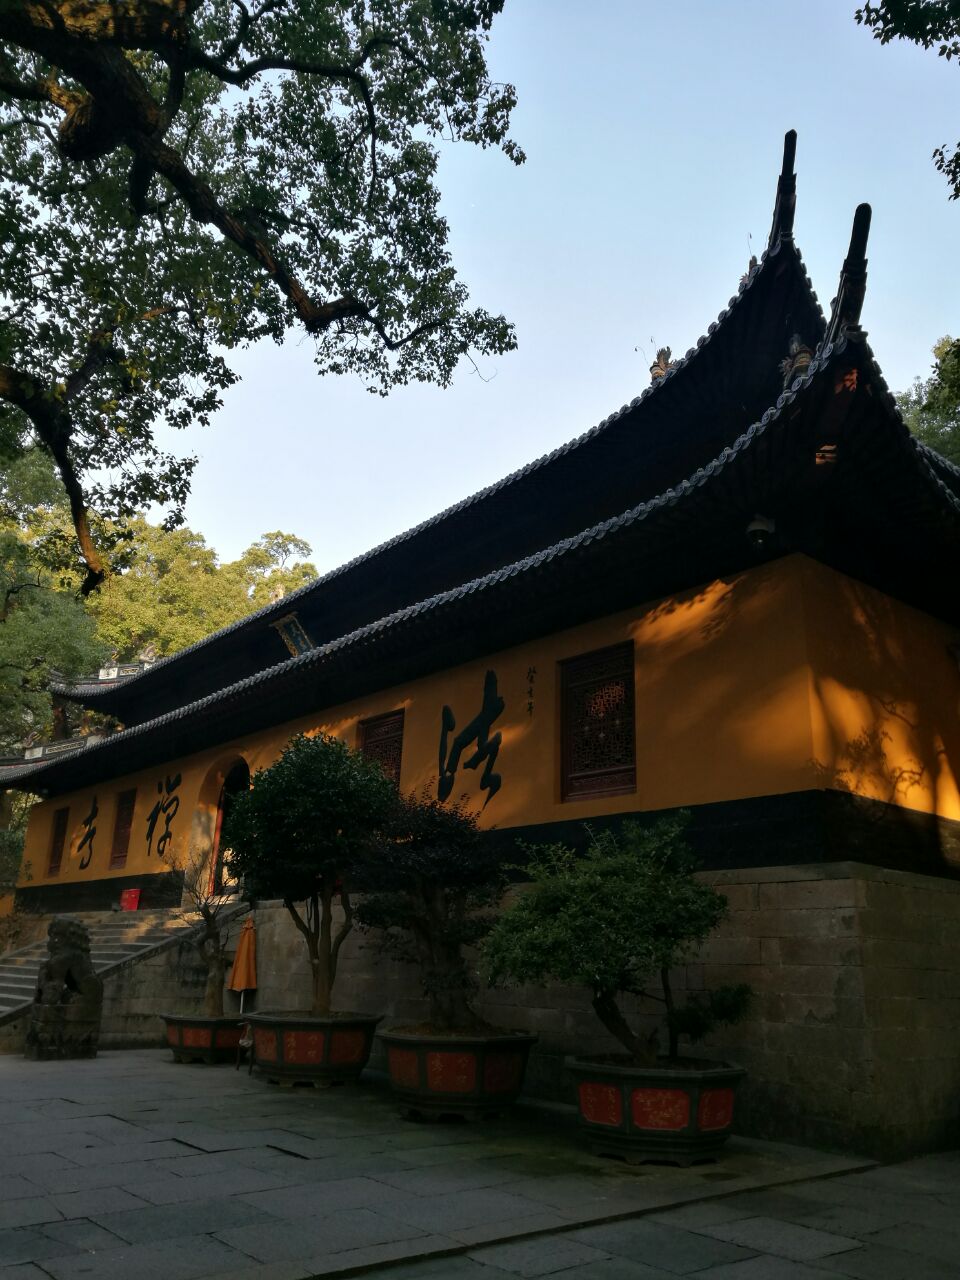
(236, 782)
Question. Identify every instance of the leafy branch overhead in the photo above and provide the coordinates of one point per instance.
(932, 24)
(179, 177)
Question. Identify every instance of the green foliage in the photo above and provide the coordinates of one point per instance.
(931, 408)
(298, 835)
(174, 591)
(177, 181)
(930, 24)
(437, 879)
(306, 819)
(11, 855)
(44, 629)
(627, 911)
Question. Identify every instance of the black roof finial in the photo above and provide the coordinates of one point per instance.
(784, 209)
(847, 305)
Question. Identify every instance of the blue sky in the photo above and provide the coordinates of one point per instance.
(654, 134)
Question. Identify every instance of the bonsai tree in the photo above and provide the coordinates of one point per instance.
(629, 910)
(296, 835)
(202, 898)
(438, 880)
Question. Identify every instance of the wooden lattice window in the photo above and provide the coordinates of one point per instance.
(126, 803)
(597, 718)
(381, 738)
(57, 841)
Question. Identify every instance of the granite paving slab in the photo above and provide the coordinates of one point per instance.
(540, 1257)
(180, 1259)
(131, 1166)
(783, 1239)
(320, 1237)
(671, 1249)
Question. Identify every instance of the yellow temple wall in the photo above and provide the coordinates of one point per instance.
(884, 695)
(788, 677)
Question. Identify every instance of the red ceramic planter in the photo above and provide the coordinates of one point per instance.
(677, 1115)
(292, 1048)
(197, 1039)
(469, 1075)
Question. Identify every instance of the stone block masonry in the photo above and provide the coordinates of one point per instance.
(853, 1039)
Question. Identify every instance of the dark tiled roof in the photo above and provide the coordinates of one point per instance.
(782, 254)
(728, 481)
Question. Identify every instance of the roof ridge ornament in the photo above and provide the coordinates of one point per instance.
(786, 205)
(662, 364)
(847, 305)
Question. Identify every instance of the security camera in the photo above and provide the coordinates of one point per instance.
(759, 531)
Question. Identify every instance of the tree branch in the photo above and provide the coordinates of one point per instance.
(52, 425)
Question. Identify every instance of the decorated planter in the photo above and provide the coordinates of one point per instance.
(194, 1038)
(299, 1048)
(468, 1075)
(675, 1114)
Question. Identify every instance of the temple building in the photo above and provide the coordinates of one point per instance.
(728, 596)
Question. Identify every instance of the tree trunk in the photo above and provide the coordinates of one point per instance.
(608, 1011)
(672, 1033)
(213, 996)
(447, 986)
(321, 957)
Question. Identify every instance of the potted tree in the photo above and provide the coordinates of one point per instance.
(628, 911)
(438, 881)
(209, 1036)
(296, 835)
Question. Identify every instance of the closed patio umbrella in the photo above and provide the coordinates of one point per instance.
(243, 975)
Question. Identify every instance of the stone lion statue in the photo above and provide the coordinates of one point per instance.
(65, 1018)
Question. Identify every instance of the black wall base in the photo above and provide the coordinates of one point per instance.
(798, 827)
(156, 891)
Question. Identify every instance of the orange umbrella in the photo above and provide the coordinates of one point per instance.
(243, 975)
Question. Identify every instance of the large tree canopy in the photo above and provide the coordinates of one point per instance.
(175, 591)
(43, 626)
(930, 24)
(178, 177)
(931, 408)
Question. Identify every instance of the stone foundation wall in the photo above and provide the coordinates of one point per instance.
(854, 1037)
(170, 980)
(853, 1040)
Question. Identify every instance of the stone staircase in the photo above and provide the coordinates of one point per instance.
(116, 937)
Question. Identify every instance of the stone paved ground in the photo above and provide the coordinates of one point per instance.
(130, 1167)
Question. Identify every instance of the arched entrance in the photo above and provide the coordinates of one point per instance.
(235, 783)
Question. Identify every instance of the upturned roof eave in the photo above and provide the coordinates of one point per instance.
(551, 561)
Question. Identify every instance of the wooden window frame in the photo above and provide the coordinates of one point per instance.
(58, 840)
(372, 723)
(574, 672)
(121, 833)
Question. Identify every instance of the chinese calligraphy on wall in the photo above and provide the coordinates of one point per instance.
(477, 731)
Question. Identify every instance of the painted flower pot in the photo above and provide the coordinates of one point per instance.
(468, 1075)
(676, 1114)
(194, 1038)
(299, 1048)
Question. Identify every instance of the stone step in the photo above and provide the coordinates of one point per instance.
(17, 995)
(24, 978)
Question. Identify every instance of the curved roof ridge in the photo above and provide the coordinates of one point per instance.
(594, 533)
(278, 608)
(931, 462)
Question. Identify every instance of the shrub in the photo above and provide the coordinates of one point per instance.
(437, 880)
(297, 835)
(627, 911)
